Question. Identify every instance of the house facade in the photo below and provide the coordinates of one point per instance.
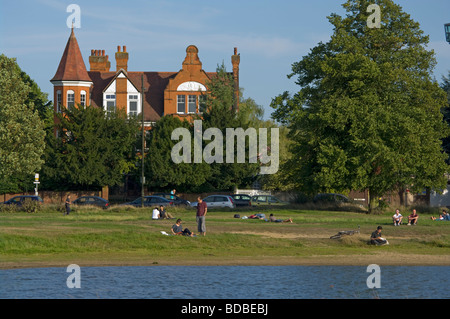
(177, 93)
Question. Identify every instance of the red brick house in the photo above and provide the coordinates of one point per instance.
(165, 93)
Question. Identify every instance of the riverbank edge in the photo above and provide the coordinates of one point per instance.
(380, 258)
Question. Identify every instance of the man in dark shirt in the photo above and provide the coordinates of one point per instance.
(376, 238)
(177, 229)
(202, 209)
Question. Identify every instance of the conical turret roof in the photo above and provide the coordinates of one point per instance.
(71, 67)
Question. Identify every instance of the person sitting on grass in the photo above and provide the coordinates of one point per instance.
(412, 219)
(155, 213)
(273, 219)
(397, 218)
(163, 214)
(444, 216)
(376, 238)
(177, 229)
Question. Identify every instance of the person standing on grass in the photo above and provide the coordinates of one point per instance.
(67, 204)
(202, 209)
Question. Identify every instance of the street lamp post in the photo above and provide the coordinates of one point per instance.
(447, 32)
(143, 143)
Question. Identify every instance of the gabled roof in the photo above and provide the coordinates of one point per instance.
(71, 67)
(118, 73)
(154, 83)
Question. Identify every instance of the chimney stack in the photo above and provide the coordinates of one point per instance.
(122, 59)
(235, 60)
(98, 61)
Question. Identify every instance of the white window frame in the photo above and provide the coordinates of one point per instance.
(83, 98)
(58, 101)
(70, 99)
(109, 98)
(134, 97)
(179, 103)
(190, 103)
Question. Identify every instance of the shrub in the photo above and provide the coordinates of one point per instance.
(8, 208)
(31, 206)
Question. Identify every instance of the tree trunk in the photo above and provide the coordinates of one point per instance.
(373, 201)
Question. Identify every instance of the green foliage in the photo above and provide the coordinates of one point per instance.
(21, 129)
(445, 85)
(220, 113)
(368, 113)
(160, 171)
(92, 150)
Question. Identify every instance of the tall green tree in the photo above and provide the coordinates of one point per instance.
(160, 170)
(221, 114)
(445, 85)
(21, 129)
(252, 115)
(91, 149)
(367, 115)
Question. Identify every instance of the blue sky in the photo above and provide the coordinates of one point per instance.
(269, 35)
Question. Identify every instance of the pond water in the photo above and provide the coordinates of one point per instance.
(226, 282)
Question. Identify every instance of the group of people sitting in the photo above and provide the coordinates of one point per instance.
(443, 216)
(271, 218)
(161, 213)
(397, 218)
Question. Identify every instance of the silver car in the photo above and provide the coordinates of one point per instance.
(217, 201)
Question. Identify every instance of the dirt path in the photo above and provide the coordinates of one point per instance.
(379, 258)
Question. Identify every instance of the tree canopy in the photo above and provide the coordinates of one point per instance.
(91, 149)
(21, 128)
(367, 115)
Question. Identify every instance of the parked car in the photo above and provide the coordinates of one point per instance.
(150, 201)
(270, 200)
(19, 200)
(337, 200)
(91, 200)
(331, 198)
(217, 201)
(174, 198)
(241, 199)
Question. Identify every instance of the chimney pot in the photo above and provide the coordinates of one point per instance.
(103, 52)
(118, 48)
(124, 48)
(235, 51)
(92, 52)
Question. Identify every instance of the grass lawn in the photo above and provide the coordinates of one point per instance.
(128, 236)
